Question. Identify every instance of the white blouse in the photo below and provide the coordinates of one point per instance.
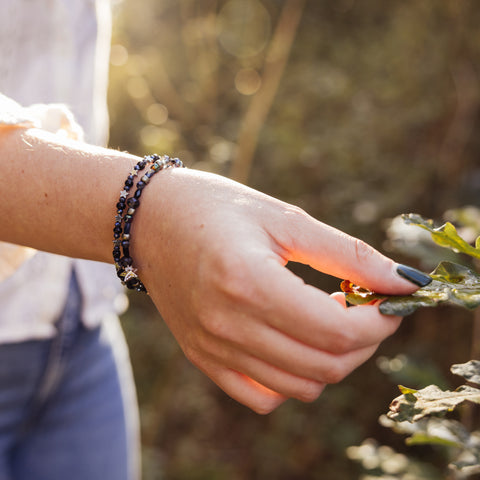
(53, 52)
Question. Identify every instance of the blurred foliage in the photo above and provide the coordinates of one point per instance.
(356, 111)
(383, 463)
(420, 414)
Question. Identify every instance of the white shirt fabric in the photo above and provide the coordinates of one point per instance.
(53, 52)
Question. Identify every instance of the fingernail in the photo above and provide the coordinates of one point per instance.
(413, 275)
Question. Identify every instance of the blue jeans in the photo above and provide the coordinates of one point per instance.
(67, 406)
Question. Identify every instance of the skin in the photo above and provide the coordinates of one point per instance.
(212, 254)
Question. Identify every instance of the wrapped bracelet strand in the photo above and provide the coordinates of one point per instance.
(123, 223)
(121, 205)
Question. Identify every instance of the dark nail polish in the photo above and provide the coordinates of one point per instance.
(413, 275)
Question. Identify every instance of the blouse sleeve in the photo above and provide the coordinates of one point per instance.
(13, 115)
(55, 118)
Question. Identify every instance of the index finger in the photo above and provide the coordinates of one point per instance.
(306, 240)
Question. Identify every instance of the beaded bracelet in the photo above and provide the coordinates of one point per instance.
(123, 224)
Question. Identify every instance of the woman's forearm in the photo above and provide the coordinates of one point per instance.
(59, 195)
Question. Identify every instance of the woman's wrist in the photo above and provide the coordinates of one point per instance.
(127, 205)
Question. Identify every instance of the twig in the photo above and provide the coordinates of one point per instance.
(276, 60)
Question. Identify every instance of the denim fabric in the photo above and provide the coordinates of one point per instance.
(67, 406)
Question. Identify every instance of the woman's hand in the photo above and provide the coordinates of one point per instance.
(212, 254)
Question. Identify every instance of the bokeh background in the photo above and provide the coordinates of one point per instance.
(355, 111)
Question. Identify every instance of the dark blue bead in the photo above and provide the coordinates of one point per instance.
(138, 193)
(126, 228)
(129, 181)
(116, 235)
(140, 185)
(117, 230)
(133, 202)
(125, 261)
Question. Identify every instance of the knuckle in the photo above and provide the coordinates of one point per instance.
(295, 215)
(342, 342)
(296, 212)
(363, 251)
(192, 355)
(310, 391)
(263, 409)
(335, 374)
(289, 238)
(266, 405)
(201, 349)
(231, 277)
(216, 326)
(221, 274)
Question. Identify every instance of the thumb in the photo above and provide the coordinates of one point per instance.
(332, 251)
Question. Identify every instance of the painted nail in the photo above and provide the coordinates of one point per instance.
(413, 275)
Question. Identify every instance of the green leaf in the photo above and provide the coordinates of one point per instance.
(420, 415)
(406, 390)
(425, 439)
(451, 283)
(430, 400)
(406, 305)
(464, 446)
(445, 236)
(470, 371)
(431, 430)
(477, 243)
